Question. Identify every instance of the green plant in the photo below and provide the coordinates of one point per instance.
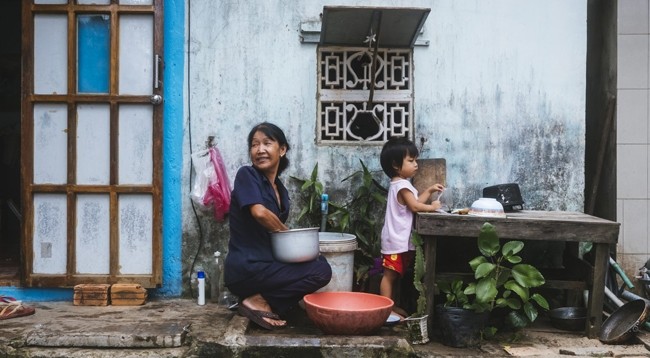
(362, 215)
(418, 277)
(500, 280)
(311, 193)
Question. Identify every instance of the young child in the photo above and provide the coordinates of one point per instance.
(398, 160)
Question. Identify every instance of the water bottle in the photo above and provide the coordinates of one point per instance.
(323, 212)
(216, 278)
(200, 276)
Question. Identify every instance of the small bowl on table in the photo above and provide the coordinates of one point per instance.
(487, 207)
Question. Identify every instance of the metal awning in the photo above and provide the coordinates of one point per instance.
(384, 27)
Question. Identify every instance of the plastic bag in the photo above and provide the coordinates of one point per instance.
(211, 190)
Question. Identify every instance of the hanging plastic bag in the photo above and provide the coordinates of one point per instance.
(218, 191)
(204, 174)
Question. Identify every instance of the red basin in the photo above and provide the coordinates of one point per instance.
(348, 313)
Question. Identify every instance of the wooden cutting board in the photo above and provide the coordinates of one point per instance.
(430, 171)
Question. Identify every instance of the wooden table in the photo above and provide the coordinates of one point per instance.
(528, 225)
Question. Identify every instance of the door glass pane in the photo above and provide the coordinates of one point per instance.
(135, 144)
(93, 144)
(93, 61)
(50, 233)
(50, 54)
(136, 54)
(136, 2)
(50, 144)
(93, 2)
(93, 234)
(135, 230)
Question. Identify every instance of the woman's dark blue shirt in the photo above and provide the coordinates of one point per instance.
(249, 249)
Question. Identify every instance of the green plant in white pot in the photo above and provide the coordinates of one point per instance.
(501, 280)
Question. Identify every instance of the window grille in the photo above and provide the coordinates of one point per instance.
(345, 115)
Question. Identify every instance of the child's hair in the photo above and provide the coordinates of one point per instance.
(394, 152)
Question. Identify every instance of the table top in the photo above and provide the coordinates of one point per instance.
(523, 225)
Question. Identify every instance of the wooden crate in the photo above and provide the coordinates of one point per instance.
(90, 294)
(128, 294)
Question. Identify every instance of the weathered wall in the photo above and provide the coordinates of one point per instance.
(499, 93)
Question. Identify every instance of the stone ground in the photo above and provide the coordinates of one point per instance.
(181, 328)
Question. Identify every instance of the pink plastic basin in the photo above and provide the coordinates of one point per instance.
(347, 313)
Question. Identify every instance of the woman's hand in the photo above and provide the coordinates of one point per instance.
(267, 218)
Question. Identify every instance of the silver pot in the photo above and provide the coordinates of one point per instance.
(296, 245)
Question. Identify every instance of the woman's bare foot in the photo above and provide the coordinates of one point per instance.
(257, 302)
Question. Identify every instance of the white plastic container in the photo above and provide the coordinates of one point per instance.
(216, 278)
(338, 248)
(200, 276)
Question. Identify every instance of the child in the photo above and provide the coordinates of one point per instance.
(398, 160)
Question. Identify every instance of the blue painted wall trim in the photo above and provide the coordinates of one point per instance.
(174, 56)
(174, 32)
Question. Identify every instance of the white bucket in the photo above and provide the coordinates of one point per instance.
(338, 248)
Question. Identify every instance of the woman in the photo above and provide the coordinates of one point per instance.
(260, 205)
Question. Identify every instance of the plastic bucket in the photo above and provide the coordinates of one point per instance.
(338, 248)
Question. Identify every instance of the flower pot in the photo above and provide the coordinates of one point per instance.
(460, 327)
(418, 332)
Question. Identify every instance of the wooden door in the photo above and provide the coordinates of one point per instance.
(92, 142)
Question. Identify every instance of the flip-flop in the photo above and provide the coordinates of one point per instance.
(258, 317)
(12, 308)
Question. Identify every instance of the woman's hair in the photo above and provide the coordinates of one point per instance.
(394, 152)
(275, 133)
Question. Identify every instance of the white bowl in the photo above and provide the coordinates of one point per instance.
(296, 245)
(487, 207)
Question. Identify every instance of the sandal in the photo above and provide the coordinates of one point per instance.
(258, 317)
(12, 308)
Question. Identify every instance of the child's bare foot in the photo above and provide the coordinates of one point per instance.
(399, 312)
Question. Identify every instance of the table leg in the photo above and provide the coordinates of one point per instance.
(430, 244)
(597, 291)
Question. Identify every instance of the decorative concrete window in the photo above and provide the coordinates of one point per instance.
(365, 73)
(345, 113)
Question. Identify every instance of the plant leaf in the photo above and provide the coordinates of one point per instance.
(517, 319)
(520, 291)
(541, 301)
(486, 289)
(488, 241)
(527, 275)
(475, 262)
(512, 247)
(530, 311)
(484, 270)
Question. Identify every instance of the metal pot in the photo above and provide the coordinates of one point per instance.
(623, 323)
(296, 245)
(507, 194)
(568, 318)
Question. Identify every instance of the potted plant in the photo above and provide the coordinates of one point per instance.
(416, 324)
(361, 215)
(501, 280)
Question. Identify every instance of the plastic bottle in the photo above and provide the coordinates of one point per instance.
(323, 210)
(216, 278)
(200, 276)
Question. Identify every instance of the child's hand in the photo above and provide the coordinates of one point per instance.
(435, 187)
(435, 205)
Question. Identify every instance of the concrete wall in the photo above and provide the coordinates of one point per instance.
(632, 137)
(499, 93)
